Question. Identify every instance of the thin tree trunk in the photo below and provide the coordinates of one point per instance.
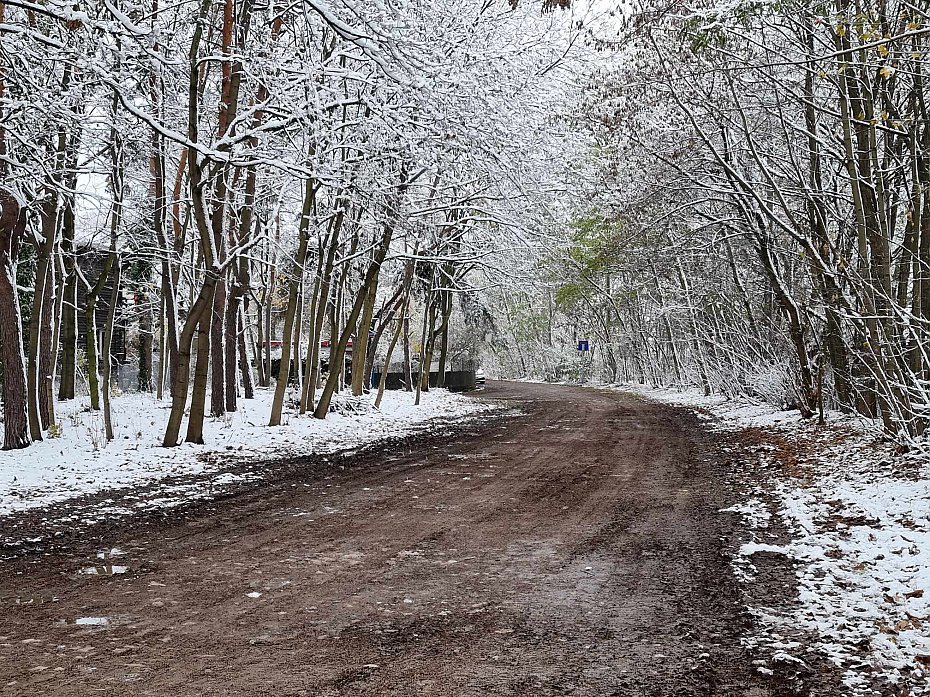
(90, 313)
(199, 316)
(269, 329)
(245, 370)
(313, 340)
(162, 353)
(408, 368)
(107, 347)
(218, 351)
(386, 315)
(181, 376)
(360, 345)
(69, 333)
(277, 404)
(370, 282)
(231, 346)
(260, 341)
(146, 345)
(48, 348)
(382, 383)
(423, 372)
(444, 338)
(40, 309)
(65, 305)
(297, 374)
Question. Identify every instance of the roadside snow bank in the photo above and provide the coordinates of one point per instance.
(858, 515)
(80, 461)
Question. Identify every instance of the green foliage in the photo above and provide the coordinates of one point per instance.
(529, 325)
(593, 243)
(701, 38)
(568, 294)
(711, 29)
(594, 250)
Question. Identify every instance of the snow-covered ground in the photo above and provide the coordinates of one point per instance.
(80, 461)
(859, 520)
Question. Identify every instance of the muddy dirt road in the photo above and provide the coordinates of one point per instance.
(574, 550)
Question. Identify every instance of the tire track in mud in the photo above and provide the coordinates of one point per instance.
(575, 550)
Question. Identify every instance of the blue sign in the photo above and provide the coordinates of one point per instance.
(583, 345)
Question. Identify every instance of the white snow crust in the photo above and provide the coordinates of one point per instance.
(80, 461)
(859, 519)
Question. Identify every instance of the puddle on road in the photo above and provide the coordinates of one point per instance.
(94, 621)
(30, 599)
(90, 621)
(104, 570)
(106, 567)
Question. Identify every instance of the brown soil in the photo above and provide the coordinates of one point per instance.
(575, 550)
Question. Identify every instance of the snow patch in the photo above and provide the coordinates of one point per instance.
(81, 462)
(859, 517)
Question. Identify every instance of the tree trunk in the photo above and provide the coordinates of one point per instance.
(199, 316)
(245, 370)
(369, 284)
(218, 351)
(382, 383)
(69, 333)
(41, 306)
(269, 329)
(146, 345)
(116, 267)
(90, 314)
(260, 345)
(201, 376)
(360, 345)
(313, 339)
(296, 282)
(444, 338)
(181, 376)
(408, 368)
(425, 359)
(15, 420)
(66, 329)
(297, 374)
(388, 312)
(48, 348)
(231, 346)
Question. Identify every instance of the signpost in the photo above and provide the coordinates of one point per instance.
(583, 345)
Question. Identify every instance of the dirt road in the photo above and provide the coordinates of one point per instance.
(574, 550)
